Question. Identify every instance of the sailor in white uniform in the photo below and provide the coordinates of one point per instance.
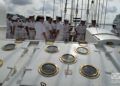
(31, 27)
(93, 24)
(24, 31)
(40, 29)
(9, 28)
(80, 31)
(48, 26)
(26, 25)
(59, 28)
(14, 26)
(118, 29)
(20, 32)
(114, 29)
(66, 30)
(54, 29)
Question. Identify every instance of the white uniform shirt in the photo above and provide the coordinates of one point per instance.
(9, 24)
(14, 24)
(31, 24)
(59, 26)
(8, 33)
(54, 26)
(66, 28)
(66, 31)
(20, 31)
(48, 26)
(40, 29)
(81, 29)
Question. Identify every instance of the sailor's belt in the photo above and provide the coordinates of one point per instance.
(20, 26)
(80, 33)
(31, 29)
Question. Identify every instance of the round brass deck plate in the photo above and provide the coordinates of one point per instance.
(89, 71)
(1, 62)
(48, 69)
(9, 47)
(109, 43)
(68, 59)
(82, 50)
(52, 49)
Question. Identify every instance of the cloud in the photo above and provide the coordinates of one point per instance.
(112, 9)
(21, 2)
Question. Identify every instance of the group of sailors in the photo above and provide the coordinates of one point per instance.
(44, 29)
(116, 29)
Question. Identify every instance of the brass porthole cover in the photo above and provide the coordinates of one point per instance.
(19, 40)
(1, 62)
(68, 59)
(8, 47)
(89, 71)
(109, 43)
(52, 49)
(82, 50)
(48, 69)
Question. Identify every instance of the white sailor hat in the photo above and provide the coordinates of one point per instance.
(15, 17)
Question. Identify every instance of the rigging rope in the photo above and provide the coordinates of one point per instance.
(92, 10)
(102, 12)
(53, 9)
(71, 15)
(96, 9)
(98, 12)
(77, 8)
(105, 13)
(88, 11)
(43, 10)
(65, 9)
(82, 8)
(61, 1)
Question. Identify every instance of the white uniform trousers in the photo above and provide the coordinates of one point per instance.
(9, 35)
(66, 36)
(31, 34)
(20, 33)
(80, 37)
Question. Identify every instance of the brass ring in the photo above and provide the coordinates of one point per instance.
(80, 52)
(1, 62)
(93, 76)
(109, 43)
(40, 70)
(83, 45)
(9, 49)
(49, 43)
(51, 51)
(64, 61)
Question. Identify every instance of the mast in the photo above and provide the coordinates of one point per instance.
(53, 9)
(92, 10)
(87, 11)
(43, 10)
(65, 9)
(102, 11)
(77, 9)
(72, 11)
(81, 8)
(61, 2)
(96, 9)
(98, 12)
(105, 13)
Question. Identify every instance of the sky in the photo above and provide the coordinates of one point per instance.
(35, 7)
